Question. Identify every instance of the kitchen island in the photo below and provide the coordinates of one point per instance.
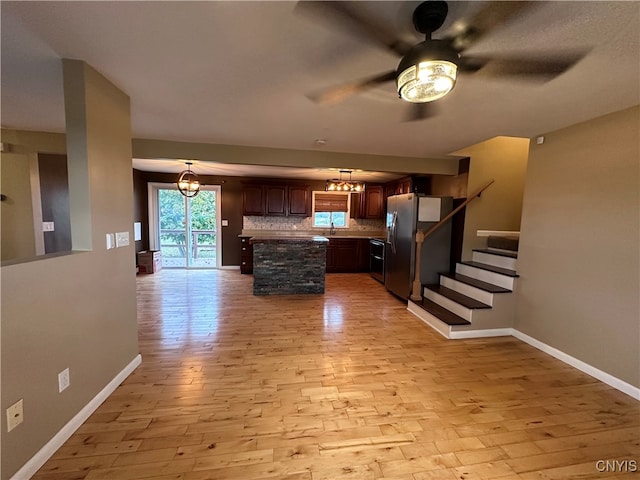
(289, 265)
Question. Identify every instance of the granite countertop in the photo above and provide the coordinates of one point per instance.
(288, 239)
(303, 233)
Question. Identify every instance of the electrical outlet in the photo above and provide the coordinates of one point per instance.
(15, 415)
(63, 380)
(122, 239)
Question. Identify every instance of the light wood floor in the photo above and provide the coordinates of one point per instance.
(348, 385)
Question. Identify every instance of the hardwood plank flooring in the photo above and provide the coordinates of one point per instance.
(347, 385)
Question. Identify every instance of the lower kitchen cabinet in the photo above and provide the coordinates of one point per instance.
(344, 255)
(348, 255)
(246, 255)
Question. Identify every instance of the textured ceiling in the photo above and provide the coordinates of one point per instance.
(238, 73)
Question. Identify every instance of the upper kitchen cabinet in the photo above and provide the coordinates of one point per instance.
(252, 200)
(276, 200)
(368, 204)
(373, 202)
(410, 184)
(299, 201)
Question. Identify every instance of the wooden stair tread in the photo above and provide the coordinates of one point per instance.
(441, 313)
(500, 253)
(457, 297)
(492, 268)
(487, 287)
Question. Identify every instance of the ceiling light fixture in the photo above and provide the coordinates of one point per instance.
(188, 182)
(429, 70)
(340, 185)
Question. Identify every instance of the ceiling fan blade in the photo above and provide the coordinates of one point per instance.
(341, 92)
(541, 68)
(465, 32)
(421, 111)
(348, 15)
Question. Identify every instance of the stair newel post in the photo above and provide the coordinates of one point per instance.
(416, 293)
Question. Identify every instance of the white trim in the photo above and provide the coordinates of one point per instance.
(230, 267)
(154, 230)
(39, 459)
(468, 290)
(605, 377)
(490, 332)
(435, 323)
(495, 259)
(36, 202)
(504, 281)
(444, 330)
(451, 305)
(497, 233)
(313, 209)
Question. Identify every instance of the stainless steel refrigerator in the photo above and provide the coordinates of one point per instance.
(405, 214)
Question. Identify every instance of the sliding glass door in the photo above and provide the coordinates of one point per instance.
(185, 229)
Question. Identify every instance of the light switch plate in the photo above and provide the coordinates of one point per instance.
(48, 226)
(64, 380)
(122, 239)
(111, 241)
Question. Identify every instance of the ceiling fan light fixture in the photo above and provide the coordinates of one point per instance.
(427, 81)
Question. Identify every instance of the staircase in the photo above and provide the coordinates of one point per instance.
(475, 300)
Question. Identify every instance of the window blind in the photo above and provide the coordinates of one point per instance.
(327, 202)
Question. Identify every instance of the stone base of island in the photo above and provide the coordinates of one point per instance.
(289, 265)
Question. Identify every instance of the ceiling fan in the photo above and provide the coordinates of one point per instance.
(429, 70)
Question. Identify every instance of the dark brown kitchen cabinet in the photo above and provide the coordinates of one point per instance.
(246, 255)
(373, 205)
(368, 204)
(276, 200)
(252, 200)
(347, 255)
(299, 201)
(409, 184)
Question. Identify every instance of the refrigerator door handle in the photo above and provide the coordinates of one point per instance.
(394, 233)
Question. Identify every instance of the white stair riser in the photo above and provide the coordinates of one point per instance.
(485, 275)
(468, 290)
(449, 304)
(435, 323)
(495, 260)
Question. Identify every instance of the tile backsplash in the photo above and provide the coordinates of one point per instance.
(297, 223)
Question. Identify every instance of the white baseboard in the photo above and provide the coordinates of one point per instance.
(45, 453)
(492, 332)
(444, 330)
(610, 380)
(230, 267)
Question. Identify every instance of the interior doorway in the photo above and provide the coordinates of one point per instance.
(186, 230)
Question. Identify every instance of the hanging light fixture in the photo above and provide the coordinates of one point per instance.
(188, 182)
(429, 69)
(428, 72)
(340, 185)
